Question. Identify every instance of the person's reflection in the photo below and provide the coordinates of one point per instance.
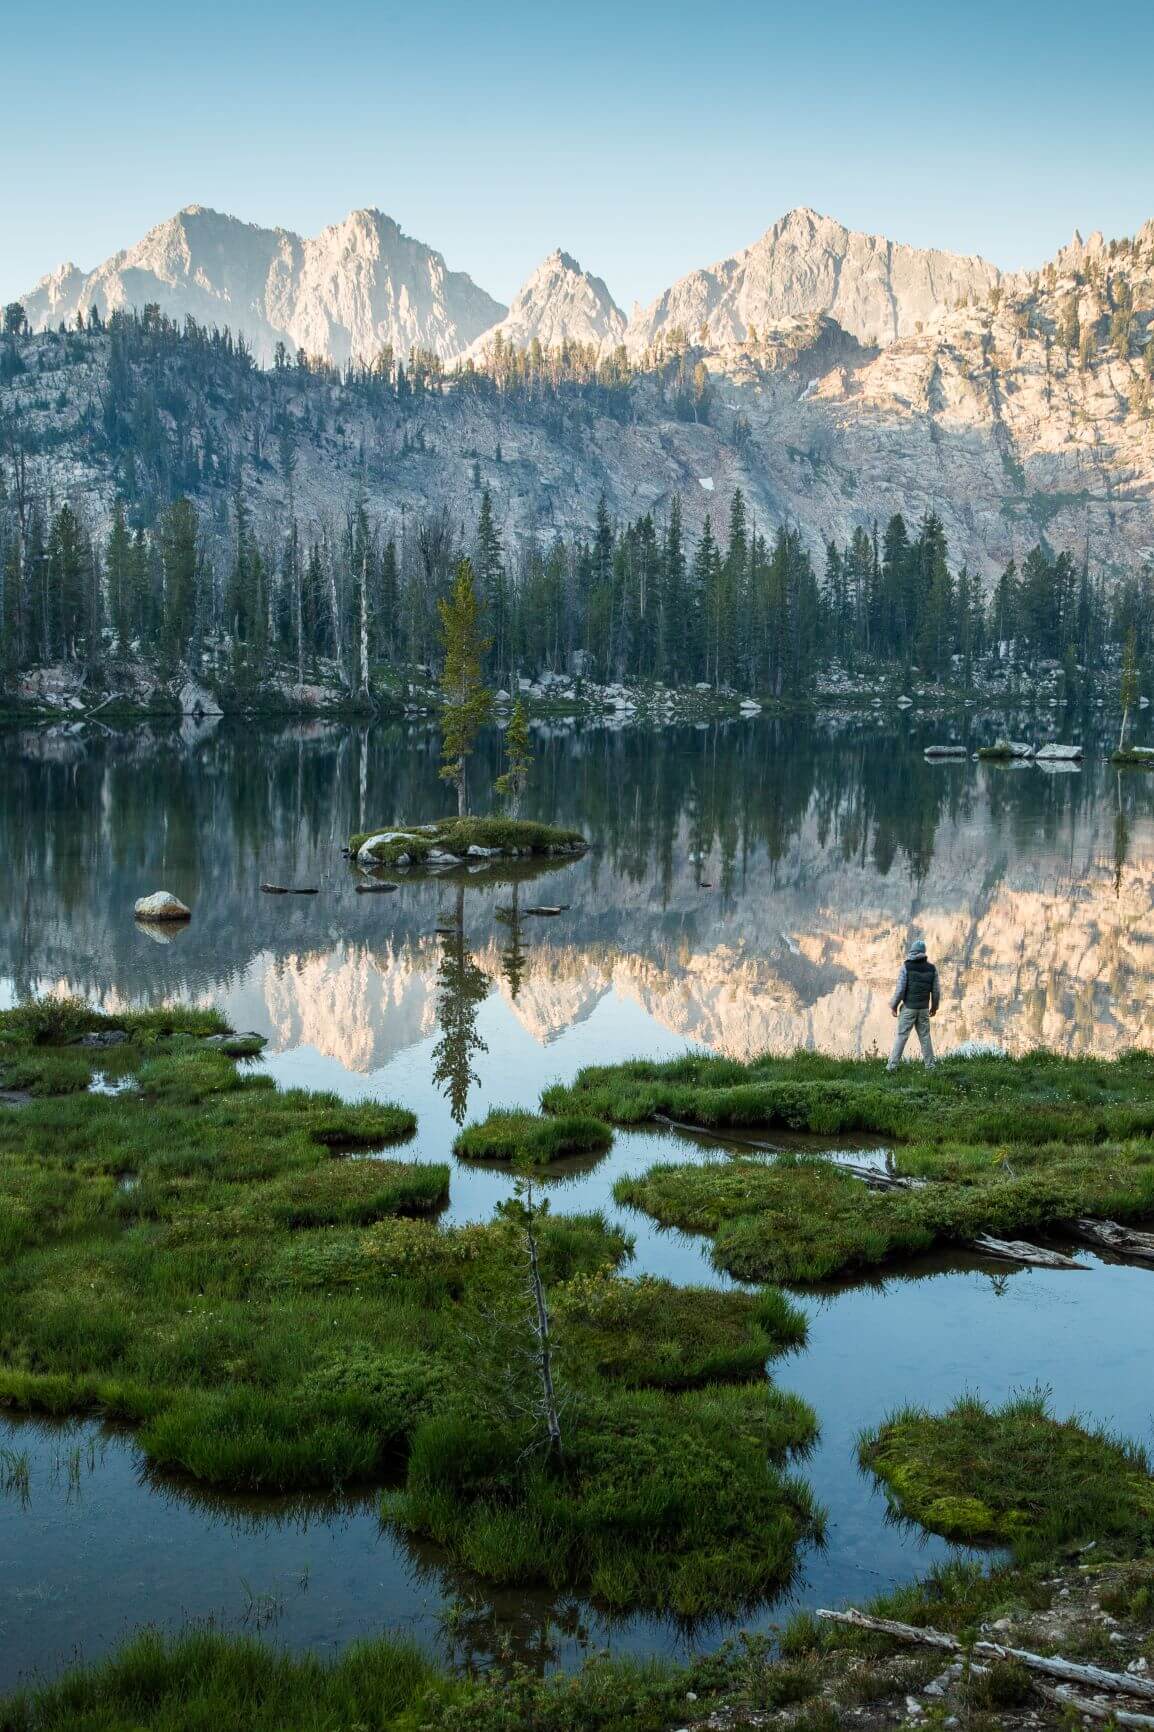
(462, 989)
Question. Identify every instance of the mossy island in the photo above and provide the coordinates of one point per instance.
(455, 842)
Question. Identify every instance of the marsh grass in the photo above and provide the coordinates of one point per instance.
(679, 1501)
(649, 1333)
(1039, 1098)
(804, 1219)
(205, 1680)
(1013, 1475)
(530, 1138)
(271, 1317)
(1006, 1147)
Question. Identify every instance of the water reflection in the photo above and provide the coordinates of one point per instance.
(751, 886)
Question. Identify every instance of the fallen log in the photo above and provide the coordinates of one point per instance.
(561, 908)
(1112, 1236)
(1020, 1251)
(289, 890)
(1049, 1665)
(873, 1176)
(1064, 1697)
(275, 889)
(374, 889)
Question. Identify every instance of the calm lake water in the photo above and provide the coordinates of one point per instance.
(752, 887)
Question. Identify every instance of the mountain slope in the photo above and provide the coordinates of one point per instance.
(559, 303)
(348, 292)
(807, 265)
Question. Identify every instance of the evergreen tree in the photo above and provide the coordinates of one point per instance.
(465, 703)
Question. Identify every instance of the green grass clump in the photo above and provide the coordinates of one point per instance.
(1014, 1475)
(204, 1680)
(650, 1333)
(458, 835)
(803, 1218)
(509, 1135)
(678, 1501)
(1039, 1098)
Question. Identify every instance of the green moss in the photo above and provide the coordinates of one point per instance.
(1012, 1475)
(509, 1135)
(457, 835)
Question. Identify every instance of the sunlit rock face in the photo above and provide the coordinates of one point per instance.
(349, 292)
(806, 265)
(560, 303)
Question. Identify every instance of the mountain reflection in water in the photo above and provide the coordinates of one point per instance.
(752, 886)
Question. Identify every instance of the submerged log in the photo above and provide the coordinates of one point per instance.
(1049, 1665)
(1112, 1236)
(561, 908)
(289, 890)
(1020, 1251)
(374, 889)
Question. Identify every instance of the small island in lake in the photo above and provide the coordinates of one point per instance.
(455, 841)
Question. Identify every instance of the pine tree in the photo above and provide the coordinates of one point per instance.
(518, 758)
(465, 703)
(1129, 687)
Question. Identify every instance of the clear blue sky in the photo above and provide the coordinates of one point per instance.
(645, 138)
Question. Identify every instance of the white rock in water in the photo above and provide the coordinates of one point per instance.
(1055, 752)
(161, 905)
(371, 844)
(476, 852)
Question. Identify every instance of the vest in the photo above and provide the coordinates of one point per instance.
(920, 973)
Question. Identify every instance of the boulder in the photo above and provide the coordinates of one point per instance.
(1054, 753)
(476, 852)
(237, 1045)
(197, 700)
(161, 905)
(371, 844)
(945, 752)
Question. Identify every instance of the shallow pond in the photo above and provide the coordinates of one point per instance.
(753, 886)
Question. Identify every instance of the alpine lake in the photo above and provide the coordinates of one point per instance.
(751, 886)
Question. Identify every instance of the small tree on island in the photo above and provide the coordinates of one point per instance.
(518, 758)
(1129, 692)
(466, 705)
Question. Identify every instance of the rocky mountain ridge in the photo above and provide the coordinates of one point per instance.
(363, 284)
(358, 287)
(1024, 415)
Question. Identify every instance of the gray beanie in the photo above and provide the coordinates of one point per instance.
(917, 948)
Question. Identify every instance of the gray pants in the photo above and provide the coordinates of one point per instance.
(908, 1020)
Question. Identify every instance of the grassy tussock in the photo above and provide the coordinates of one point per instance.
(509, 1135)
(1040, 1098)
(801, 1219)
(677, 1501)
(1013, 1475)
(190, 1257)
(650, 1333)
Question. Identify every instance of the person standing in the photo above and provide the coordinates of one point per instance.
(915, 1000)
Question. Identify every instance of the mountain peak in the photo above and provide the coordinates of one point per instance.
(352, 290)
(807, 265)
(558, 303)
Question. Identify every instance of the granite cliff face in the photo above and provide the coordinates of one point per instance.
(560, 303)
(845, 378)
(350, 291)
(807, 265)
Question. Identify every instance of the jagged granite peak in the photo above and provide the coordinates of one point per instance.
(807, 265)
(356, 287)
(558, 303)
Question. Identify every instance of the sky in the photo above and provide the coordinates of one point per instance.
(647, 139)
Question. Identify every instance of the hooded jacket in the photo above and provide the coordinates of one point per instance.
(918, 986)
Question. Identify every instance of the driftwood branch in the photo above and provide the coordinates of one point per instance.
(1111, 1236)
(1049, 1665)
(1019, 1251)
(1063, 1697)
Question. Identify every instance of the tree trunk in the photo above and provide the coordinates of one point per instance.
(544, 1344)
